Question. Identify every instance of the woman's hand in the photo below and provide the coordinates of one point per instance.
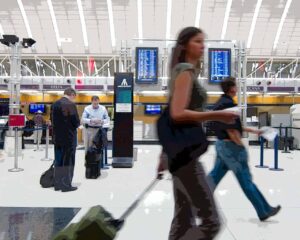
(162, 166)
(226, 116)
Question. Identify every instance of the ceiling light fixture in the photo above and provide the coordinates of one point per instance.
(83, 26)
(214, 93)
(111, 23)
(169, 18)
(226, 18)
(140, 20)
(25, 19)
(1, 31)
(253, 24)
(54, 22)
(279, 93)
(198, 13)
(283, 17)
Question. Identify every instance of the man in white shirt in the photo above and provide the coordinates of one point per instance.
(95, 116)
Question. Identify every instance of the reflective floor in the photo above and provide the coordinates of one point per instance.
(33, 223)
(117, 188)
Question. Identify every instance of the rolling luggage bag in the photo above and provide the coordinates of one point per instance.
(99, 224)
(92, 163)
(92, 171)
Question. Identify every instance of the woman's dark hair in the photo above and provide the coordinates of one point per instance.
(227, 84)
(178, 55)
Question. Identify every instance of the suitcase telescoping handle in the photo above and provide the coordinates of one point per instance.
(119, 222)
(137, 201)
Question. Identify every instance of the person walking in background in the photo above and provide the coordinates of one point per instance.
(232, 154)
(94, 117)
(183, 141)
(65, 121)
(38, 122)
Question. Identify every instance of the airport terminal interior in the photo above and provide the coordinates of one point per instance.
(118, 54)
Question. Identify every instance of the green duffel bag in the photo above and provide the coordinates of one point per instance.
(97, 224)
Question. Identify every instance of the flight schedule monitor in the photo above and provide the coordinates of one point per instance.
(146, 65)
(219, 66)
(34, 108)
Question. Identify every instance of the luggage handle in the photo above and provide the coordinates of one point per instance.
(137, 201)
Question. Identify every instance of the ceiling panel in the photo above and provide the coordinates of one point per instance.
(212, 17)
(183, 15)
(154, 23)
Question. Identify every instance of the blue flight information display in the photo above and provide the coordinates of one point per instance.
(146, 65)
(153, 109)
(34, 108)
(219, 66)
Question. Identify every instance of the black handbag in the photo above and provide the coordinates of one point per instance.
(47, 178)
(100, 140)
(188, 138)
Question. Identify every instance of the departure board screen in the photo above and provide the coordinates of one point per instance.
(219, 66)
(146, 65)
(152, 109)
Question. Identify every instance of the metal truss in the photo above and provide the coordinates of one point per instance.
(105, 66)
(275, 67)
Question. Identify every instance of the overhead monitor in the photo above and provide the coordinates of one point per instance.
(219, 65)
(34, 108)
(152, 109)
(146, 65)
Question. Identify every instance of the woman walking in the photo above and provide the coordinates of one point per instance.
(183, 141)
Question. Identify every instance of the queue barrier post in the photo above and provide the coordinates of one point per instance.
(104, 164)
(16, 167)
(286, 141)
(261, 164)
(276, 150)
(46, 158)
(38, 148)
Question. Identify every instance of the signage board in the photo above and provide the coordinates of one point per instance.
(55, 87)
(123, 120)
(16, 120)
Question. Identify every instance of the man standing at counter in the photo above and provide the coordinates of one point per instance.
(94, 117)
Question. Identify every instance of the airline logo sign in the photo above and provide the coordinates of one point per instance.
(124, 84)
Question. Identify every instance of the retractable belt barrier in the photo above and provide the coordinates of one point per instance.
(285, 150)
(46, 158)
(261, 165)
(16, 130)
(16, 164)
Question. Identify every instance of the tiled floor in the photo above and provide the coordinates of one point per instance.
(117, 188)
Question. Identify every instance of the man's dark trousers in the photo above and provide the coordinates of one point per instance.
(64, 166)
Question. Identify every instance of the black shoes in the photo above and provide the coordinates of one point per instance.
(66, 189)
(273, 212)
(69, 189)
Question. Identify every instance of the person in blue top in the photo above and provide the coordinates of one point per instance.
(232, 154)
(184, 115)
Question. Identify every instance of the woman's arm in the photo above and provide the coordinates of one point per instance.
(235, 136)
(252, 130)
(181, 99)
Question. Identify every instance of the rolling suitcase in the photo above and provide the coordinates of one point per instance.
(92, 171)
(92, 163)
(99, 224)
